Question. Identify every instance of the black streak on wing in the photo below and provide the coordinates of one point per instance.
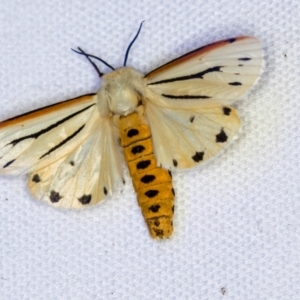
(221, 137)
(244, 58)
(188, 77)
(63, 142)
(45, 107)
(8, 163)
(234, 83)
(186, 96)
(192, 119)
(37, 134)
(231, 40)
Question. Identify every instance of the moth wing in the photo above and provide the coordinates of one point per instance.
(184, 138)
(223, 71)
(69, 149)
(188, 100)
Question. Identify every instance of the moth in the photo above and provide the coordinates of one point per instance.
(176, 117)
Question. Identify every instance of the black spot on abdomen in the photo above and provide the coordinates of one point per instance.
(132, 132)
(143, 164)
(151, 193)
(137, 149)
(147, 178)
(154, 208)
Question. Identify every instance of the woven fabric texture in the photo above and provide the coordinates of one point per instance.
(237, 219)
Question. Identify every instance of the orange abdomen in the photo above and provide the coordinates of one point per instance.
(153, 184)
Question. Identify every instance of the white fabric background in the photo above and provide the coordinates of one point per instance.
(237, 220)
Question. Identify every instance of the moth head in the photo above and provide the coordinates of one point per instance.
(121, 90)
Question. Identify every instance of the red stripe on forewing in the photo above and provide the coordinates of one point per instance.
(191, 55)
(45, 110)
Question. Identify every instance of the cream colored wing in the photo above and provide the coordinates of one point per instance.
(223, 71)
(71, 152)
(187, 101)
(184, 138)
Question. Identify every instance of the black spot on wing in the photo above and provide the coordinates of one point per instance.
(36, 178)
(63, 142)
(235, 83)
(105, 191)
(85, 199)
(175, 163)
(72, 163)
(245, 58)
(170, 173)
(147, 178)
(137, 149)
(186, 96)
(8, 163)
(151, 193)
(154, 208)
(198, 156)
(132, 132)
(221, 137)
(226, 111)
(192, 118)
(199, 75)
(143, 164)
(54, 196)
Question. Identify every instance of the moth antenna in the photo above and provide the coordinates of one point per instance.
(93, 56)
(93, 64)
(134, 39)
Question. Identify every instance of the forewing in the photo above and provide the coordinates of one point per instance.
(70, 151)
(45, 135)
(223, 71)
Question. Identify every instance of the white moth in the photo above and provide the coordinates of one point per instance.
(175, 117)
